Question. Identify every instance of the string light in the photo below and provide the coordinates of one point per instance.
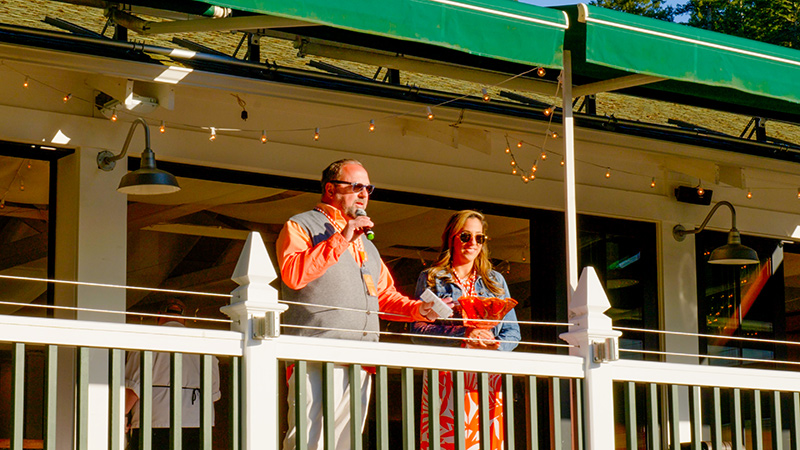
(798, 192)
(513, 163)
(525, 179)
(700, 191)
(21, 184)
(749, 194)
(549, 111)
(608, 172)
(534, 168)
(514, 171)
(653, 182)
(29, 164)
(533, 177)
(3, 203)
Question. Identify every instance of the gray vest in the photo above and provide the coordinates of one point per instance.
(341, 285)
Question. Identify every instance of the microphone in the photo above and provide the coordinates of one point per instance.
(367, 230)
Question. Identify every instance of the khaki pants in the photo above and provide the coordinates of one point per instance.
(313, 407)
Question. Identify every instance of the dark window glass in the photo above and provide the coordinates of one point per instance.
(746, 301)
(623, 253)
(24, 233)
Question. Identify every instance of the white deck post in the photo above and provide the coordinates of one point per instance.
(570, 208)
(256, 313)
(597, 343)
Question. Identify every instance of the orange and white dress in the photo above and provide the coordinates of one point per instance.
(507, 332)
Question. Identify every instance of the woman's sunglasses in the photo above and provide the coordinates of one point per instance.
(466, 236)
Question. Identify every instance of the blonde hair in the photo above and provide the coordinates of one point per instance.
(482, 266)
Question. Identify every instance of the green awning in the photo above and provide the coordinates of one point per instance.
(716, 67)
(498, 29)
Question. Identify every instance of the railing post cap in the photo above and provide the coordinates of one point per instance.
(254, 265)
(590, 296)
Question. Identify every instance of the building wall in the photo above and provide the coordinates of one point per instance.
(406, 152)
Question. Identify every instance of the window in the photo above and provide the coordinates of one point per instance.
(753, 301)
(25, 232)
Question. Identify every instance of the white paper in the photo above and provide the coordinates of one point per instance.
(439, 307)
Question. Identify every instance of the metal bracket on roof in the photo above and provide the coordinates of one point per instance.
(614, 84)
(758, 127)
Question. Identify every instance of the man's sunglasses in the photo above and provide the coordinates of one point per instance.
(357, 187)
(466, 236)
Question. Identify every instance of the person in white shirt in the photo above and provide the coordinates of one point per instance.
(190, 413)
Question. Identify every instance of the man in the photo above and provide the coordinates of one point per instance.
(190, 414)
(325, 260)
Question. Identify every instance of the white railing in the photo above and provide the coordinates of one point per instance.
(676, 394)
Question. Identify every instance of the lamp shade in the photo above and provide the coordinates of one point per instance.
(734, 253)
(148, 180)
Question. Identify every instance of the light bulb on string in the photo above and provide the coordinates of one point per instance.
(749, 194)
(700, 191)
(213, 136)
(114, 117)
(25, 83)
(540, 71)
(163, 127)
(67, 97)
(543, 155)
(513, 163)
(485, 94)
(525, 179)
(519, 144)
(548, 111)
(371, 124)
(562, 162)
(29, 164)
(553, 134)
(316, 134)
(608, 172)
(21, 184)
(798, 192)
(653, 182)
(429, 112)
(532, 176)
(508, 150)
(263, 136)
(514, 171)
(534, 168)
(3, 203)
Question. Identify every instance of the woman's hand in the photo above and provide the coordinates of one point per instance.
(481, 338)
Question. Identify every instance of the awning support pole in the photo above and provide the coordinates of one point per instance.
(570, 211)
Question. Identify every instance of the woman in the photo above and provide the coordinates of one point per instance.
(464, 269)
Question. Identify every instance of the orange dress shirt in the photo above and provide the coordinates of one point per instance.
(302, 263)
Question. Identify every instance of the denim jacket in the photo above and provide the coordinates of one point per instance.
(507, 332)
